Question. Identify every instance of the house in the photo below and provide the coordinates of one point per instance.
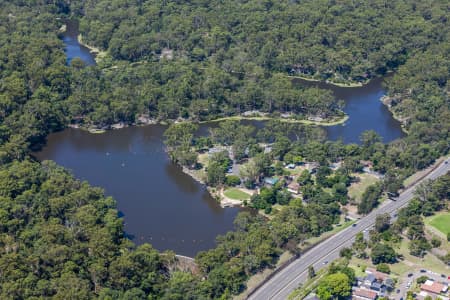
(375, 281)
(215, 150)
(312, 166)
(369, 280)
(271, 180)
(433, 287)
(380, 276)
(364, 294)
(293, 187)
(335, 166)
(366, 163)
(390, 284)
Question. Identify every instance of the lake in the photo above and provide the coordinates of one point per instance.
(73, 48)
(162, 205)
(365, 111)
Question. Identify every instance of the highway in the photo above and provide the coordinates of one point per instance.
(283, 283)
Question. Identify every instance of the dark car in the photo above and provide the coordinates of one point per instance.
(410, 274)
(423, 271)
(354, 225)
(443, 276)
(398, 291)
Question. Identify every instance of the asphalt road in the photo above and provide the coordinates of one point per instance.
(284, 282)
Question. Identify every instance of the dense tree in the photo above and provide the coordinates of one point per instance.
(334, 286)
(370, 199)
(61, 238)
(382, 253)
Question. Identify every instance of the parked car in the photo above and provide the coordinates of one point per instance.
(410, 274)
(423, 271)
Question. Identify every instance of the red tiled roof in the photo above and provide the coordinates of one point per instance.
(365, 293)
(434, 287)
(378, 275)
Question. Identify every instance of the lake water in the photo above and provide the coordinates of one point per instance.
(160, 204)
(73, 48)
(365, 111)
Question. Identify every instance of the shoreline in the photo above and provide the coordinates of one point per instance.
(286, 120)
(386, 101)
(121, 125)
(348, 85)
(98, 54)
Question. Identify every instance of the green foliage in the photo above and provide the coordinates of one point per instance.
(70, 237)
(346, 252)
(232, 180)
(61, 238)
(383, 268)
(311, 272)
(334, 286)
(217, 167)
(382, 222)
(370, 198)
(236, 35)
(422, 279)
(382, 253)
(436, 242)
(179, 140)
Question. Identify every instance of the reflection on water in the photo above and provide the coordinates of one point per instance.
(160, 203)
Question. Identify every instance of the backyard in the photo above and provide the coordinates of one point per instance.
(236, 194)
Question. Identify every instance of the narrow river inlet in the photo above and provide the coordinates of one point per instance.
(160, 204)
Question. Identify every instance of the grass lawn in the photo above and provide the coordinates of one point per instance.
(356, 190)
(236, 194)
(429, 261)
(441, 222)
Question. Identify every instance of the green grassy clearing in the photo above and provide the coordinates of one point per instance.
(356, 190)
(236, 194)
(429, 261)
(441, 222)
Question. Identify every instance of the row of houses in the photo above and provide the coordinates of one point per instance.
(375, 284)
